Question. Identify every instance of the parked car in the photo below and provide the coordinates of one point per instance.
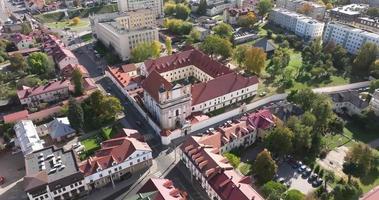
(313, 177)
(281, 180)
(306, 172)
(301, 168)
(317, 182)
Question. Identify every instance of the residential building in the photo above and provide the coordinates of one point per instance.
(349, 37)
(216, 7)
(125, 76)
(301, 25)
(170, 97)
(34, 5)
(371, 24)
(58, 129)
(117, 158)
(159, 188)
(348, 102)
(374, 103)
(66, 71)
(51, 92)
(126, 31)
(212, 171)
(132, 5)
(267, 45)
(27, 137)
(52, 174)
(64, 57)
(22, 41)
(347, 13)
(317, 11)
(231, 15)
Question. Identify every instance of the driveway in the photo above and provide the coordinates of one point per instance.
(294, 179)
(12, 168)
(334, 160)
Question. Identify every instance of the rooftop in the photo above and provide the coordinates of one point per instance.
(164, 189)
(351, 9)
(50, 166)
(350, 96)
(52, 86)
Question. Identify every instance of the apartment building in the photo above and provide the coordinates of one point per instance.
(132, 5)
(51, 92)
(159, 188)
(350, 38)
(301, 25)
(374, 103)
(347, 13)
(231, 15)
(27, 137)
(215, 7)
(53, 174)
(371, 24)
(317, 11)
(126, 31)
(116, 159)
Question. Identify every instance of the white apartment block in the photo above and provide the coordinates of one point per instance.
(27, 137)
(349, 37)
(132, 5)
(125, 32)
(301, 25)
(374, 103)
(317, 10)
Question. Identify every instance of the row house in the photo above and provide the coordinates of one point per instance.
(22, 41)
(53, 174)
(49, 93)
(116, 159)
(159, 188)
(213, 172)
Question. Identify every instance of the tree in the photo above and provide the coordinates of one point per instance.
(294, 195)
(255, 60)
(303, 98)
(273, 187)
(177, 26)
(280, 61)
(155, 49)
(75, 21)
(39, 63)
(329, 6)
(322, 109)
(247, 21)
(217, 46)
(26, 28)
(169, 9)
(336, 125)
(365, 58)
(193, 37)
(223, 30)
(302, 138)
(141, 52)
(346, 192)
(182, 11)
(374, 69)
(305, 9)
(279, 140)
(233, 159)
(373, 12)
(239, 54)
(350, 169)
(374, 85)
(77, 78)
(363, 156)
(329, 177)
(202, 9)
(18, 62)
(168, 44)
(265, 166)
(308, 119)
(264, 6)
(75, 115)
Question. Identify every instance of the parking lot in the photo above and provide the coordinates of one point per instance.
(294, 179)
(12, 168)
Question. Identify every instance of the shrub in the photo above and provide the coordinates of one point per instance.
(245, 168)
(273, 187)
(233, 159)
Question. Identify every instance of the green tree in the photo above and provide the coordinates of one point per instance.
(374, 69)
(308, 119)
(141, 52)
(233, 159)
(223, 30)
(303, 98)
(363, 156)
(279, 141)
(193, 37)
(77, 79)
(202, 9)
(217, 46)
(177, 26)
(239, 54)
(182, 11)
(75, 115)
(255, 60)
(346, 192)
(18, 62)
(329, 178)
(374, 85)
(294, 195)
(336, 125)
(264, 6)
(39, 63)
(155, 49)
(169, 9)
(247, 21)
(168, 44)
(280, 61)
(373, 12)
(350, 169)
(273, 187)
(302, 138)
(265, 166)
(366, 57)
(26, 29)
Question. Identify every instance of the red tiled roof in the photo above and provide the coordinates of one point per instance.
(219, 86)
(186, 58)
(129, 67)
(154, 83)
(18, 37)
(261, 119)
(68, 69)
(122, 77)
(16, 116)
(165, 188)
(61, 53)
(371, 195)
(25, 93)
(113, 150)
(89, 84)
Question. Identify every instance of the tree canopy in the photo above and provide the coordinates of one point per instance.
(247, 21)
(214, 45)
(266, 166)
(18, 62)
(223, 30)
(75, 115)
(273, 187)
(279, 140)
(366, 57)
(177, 26)
(168, 44)
(77, 79)
(39, 63)
(255, 60)
(202, 9)
(145, 50)
(294, 195)
(264, 6)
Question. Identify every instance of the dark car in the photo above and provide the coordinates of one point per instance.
(317, 183)
(306, 172)
(302, 168)
(313, 177)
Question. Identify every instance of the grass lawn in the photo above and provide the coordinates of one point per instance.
(353, 131)
(334, 141)
(86, 37)
(67, 24)
(90, 144)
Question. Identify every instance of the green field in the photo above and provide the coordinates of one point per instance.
(87, 37)
(68, 24)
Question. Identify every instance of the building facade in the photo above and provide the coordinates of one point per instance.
(159, 188)
(132, 5)
(126, 31)
(349, 37)
(347, 13)
(301, 25)
(349, 103)
(52, 174)
(116, 159)
(374, 103)
(317, 11)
